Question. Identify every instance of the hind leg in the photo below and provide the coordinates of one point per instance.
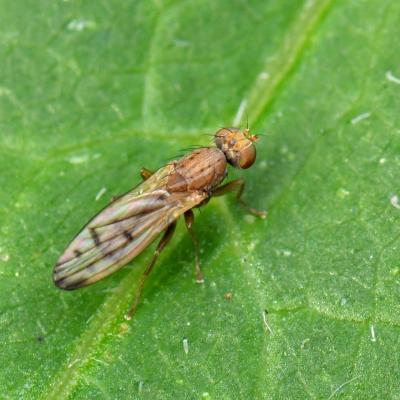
(189, 220)
(169, 232)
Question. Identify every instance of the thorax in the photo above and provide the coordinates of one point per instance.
(203, 169)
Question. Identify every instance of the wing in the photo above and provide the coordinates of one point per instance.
(122, 230)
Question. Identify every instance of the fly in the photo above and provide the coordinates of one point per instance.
(124, 228)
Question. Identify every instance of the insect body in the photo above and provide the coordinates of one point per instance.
(130, 223)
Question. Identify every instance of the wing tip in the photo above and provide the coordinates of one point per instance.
(65, 283)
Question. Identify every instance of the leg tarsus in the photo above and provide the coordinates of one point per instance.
(189, 220)
(161, 245)
(238, 184)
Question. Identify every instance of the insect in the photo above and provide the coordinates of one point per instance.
(124, 228)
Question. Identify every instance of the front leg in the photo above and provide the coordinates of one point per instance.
(238, 184)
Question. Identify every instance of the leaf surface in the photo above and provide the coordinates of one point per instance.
(90, 92)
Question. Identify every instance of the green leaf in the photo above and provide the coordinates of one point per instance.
(90, 92)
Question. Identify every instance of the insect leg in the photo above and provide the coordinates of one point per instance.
(161, 245)
(189, 220)
(145, 173)
(238, 184)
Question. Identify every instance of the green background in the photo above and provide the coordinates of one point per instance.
(92, 91)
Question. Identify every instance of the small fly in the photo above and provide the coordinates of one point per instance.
(124, 228)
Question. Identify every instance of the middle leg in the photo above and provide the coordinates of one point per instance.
(145, 173)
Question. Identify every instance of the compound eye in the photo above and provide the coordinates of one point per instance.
(247, 156)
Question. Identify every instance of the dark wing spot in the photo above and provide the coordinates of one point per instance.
(128, 236)
(77, 253)
(95, 237)
(163, 196)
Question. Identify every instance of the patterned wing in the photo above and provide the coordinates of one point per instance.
(122, 230)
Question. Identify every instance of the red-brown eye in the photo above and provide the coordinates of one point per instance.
(247, 156)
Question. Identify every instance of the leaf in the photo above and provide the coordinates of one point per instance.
(90, 92)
